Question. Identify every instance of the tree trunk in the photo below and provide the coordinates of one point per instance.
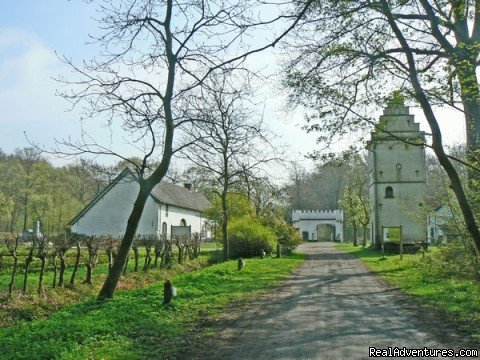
(89, 278)
(25, 215)
(75, 266)
(135, 258)
(180, 251)
(12, 279)
(470, 94)
(28, 261)
(42, 272)
(125, 267)
(355, 241)
(63, 267)
(364, 244)
(110, 259)
(158, 252)
(115, 272)
(148, 258)
(54, 263)
(226, 249)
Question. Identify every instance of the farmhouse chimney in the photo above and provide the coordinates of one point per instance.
(188, 186)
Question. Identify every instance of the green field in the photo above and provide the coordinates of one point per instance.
(455, 296)
(135, 324)
(33, 306)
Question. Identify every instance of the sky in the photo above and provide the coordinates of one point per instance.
(32, 35)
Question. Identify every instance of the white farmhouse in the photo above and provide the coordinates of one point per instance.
(168, 205)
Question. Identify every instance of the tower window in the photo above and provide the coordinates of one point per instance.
(389, 192)
(381, 173)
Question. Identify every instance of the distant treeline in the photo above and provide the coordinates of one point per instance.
(31, 189)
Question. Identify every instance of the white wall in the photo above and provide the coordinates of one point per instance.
(174, 215)
(109, 215)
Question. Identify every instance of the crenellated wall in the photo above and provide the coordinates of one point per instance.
(309, 221)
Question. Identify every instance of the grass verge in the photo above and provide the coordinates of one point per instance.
(135, 324)
(455, 297)
(33, 306)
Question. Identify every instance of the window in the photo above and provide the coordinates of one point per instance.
(389, 192)
(166, 210)
(164, 229)
(183, 222)
(399, 171)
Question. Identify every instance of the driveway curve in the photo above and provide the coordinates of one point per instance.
(331, 307)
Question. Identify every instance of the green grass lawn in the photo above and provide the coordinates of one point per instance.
(456, 296)
(135, 324)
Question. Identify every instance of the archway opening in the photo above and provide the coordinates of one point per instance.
(326, 232)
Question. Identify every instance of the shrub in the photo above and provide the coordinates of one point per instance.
(287, 236)
(456, 259)
(248, 237)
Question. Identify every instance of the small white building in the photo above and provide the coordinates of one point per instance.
(168, 205)
(438, 225)
(311, 224)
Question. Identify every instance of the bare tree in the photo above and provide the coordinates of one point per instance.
(28, 260)
(42, 253)
(92, 244)
(229, 140)
(29, 159)
(154, 54)
(78, 241)
(11, 242)
(62, 243)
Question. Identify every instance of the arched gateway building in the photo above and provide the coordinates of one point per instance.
(316, 225)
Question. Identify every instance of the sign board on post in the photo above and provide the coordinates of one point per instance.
(392, 234)
(181, 231)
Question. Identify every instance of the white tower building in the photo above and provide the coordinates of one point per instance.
(396, 164)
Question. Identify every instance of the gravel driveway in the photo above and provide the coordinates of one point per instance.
(331, 307)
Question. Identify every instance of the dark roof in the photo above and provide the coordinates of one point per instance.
(164, 193)
(171, 194)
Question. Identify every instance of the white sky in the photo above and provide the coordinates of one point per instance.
(30, 35)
